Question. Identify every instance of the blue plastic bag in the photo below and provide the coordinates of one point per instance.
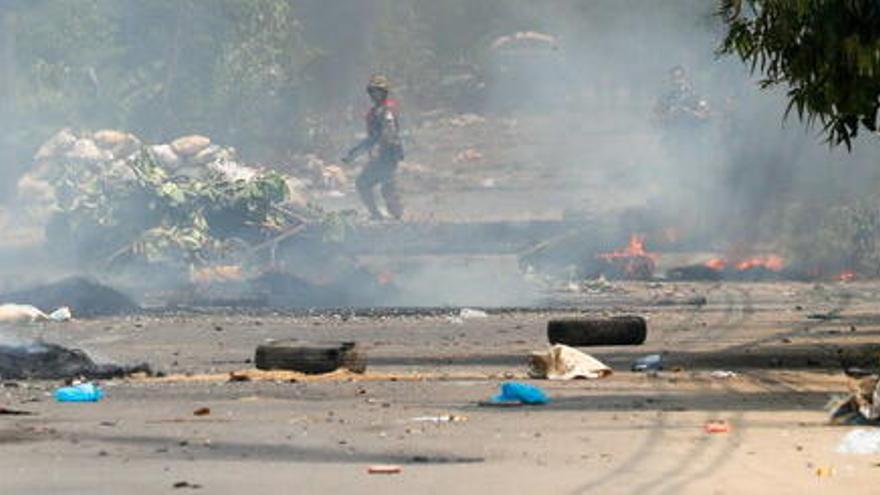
(521, 392)
(84, 392)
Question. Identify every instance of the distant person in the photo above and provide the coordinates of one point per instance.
(385, 151)
(680, 105)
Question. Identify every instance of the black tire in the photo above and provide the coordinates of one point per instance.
(310, 358)
(581, 332)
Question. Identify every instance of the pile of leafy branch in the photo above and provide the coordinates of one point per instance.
(827, 52)
(135, 210)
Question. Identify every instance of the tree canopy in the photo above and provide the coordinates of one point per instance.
(826, 52)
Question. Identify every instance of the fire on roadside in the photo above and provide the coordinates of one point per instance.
(772, 262)
(635, 248)
(633, 262)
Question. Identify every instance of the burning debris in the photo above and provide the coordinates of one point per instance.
(632, 262)
(755, 268)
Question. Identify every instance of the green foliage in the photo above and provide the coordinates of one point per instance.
(138, 209)
(231, 69)
(826, 52)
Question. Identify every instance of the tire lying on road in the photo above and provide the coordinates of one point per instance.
(311, 358)
(580, 332)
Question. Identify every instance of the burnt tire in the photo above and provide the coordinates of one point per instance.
(313, 359)
(581, 332)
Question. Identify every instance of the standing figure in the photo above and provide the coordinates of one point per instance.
(680, 105)
(385, 151)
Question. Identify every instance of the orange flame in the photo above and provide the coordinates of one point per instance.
(716, 264)
(635, 249)
(771, 262)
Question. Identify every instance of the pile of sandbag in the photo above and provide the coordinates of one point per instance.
(105, 153)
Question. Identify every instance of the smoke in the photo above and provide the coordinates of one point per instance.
(569, 89)
(722, 184)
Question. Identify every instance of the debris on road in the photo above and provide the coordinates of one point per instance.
(860, 441)
(5, 411)
(833, 314)
(84, 392)
(311, 358)
(470, 314)
(84, 297)
(561, 362)
(41, 360)
(582, 332)
(202, 411)
(446, 418)
(186, 484)
(340, 375)
(520, 393)
(723, 374)
(824, 471)
(384, 469)
(861, 406)
(651, 362)
(20, 313)
(25, 313)
(717, 426)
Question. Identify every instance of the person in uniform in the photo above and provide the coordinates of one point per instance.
(385, 150)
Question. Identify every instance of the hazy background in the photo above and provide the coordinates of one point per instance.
(275, 78)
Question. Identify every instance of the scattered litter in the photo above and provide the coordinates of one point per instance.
(520, 393)
(825, 471)
(237, 376)
(834, 314)
(186, 484)
(651, 362)
(25, 313)
(723, 374)
(4, 411)
(717, 426)
(202, 411)
(60, 314)
(468, 313)
(84, 392)
(860, 441)
(20, 313)
(384, 469)
(446, 418)
(468, 155)
(598, 285)
(862, 405)
(561, 362)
